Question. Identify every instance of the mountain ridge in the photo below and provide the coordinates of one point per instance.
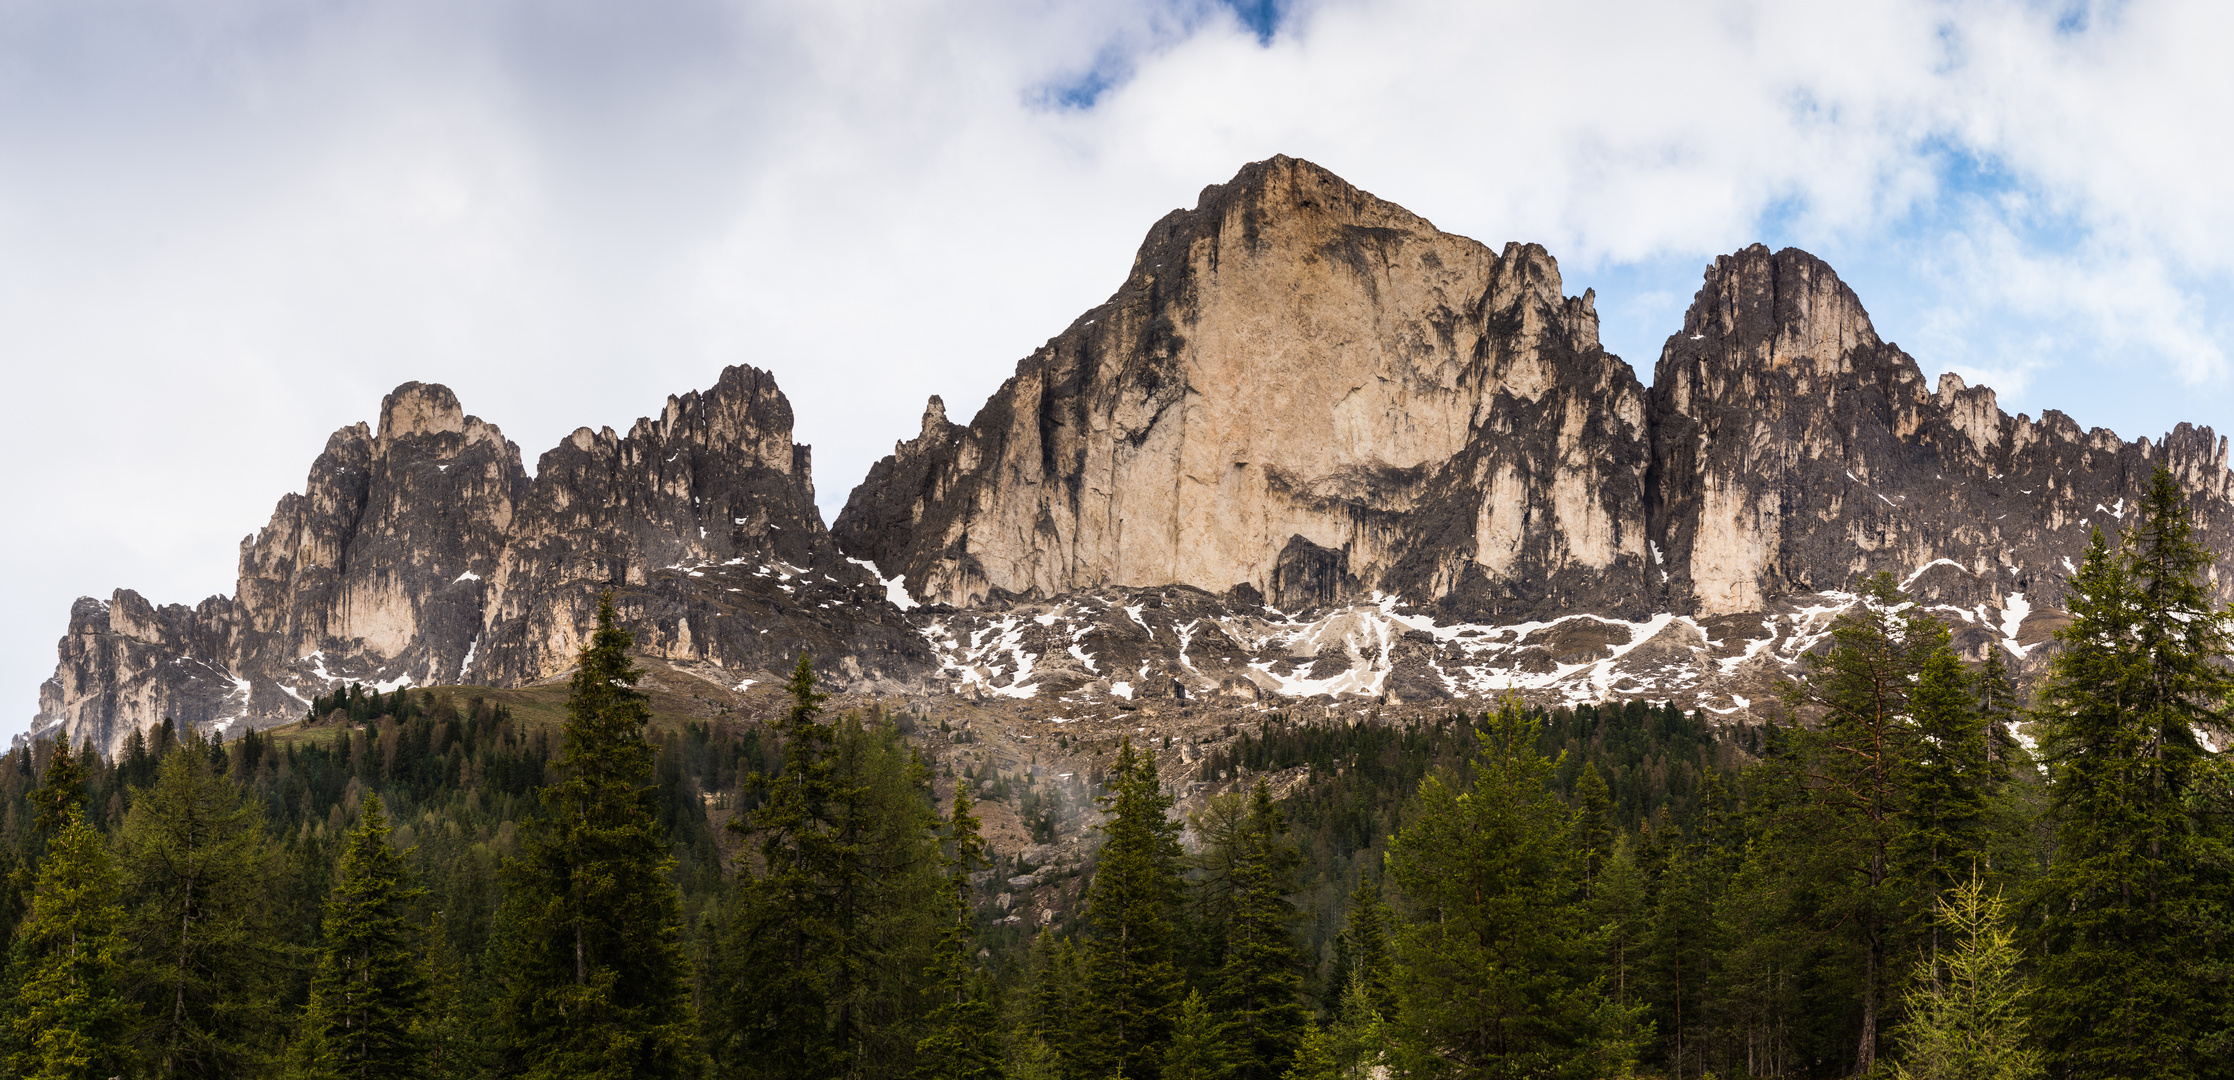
(1313, 447)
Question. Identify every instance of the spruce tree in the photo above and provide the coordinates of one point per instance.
(825, 960)
(1046, 1024)
(196, 881)
(1495, 949)
(368, 1001)
(1364, 948)
(2140, 667)
(596, 966)
(1259, 1001)
(963, 1043)
(1594, 832)
(776, 1020)
(1853, 765)
(886, 905)
(69, 1018)
(1946, 788)
(1131, 973)
(61, 791)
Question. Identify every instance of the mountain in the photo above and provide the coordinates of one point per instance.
(1313, 448)
(421, 553)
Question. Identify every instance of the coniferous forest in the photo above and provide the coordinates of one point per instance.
(1913, 873)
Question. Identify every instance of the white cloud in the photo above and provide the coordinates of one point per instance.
(227, 228)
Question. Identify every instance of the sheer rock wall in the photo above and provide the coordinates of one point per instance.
(1412, 447)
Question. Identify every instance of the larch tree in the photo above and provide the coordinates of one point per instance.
(1966, 1005)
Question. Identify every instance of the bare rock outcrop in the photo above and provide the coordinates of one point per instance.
(1312, 448)
(420, 553)
(1794, 450)
(1300, 393)
(1307, 396)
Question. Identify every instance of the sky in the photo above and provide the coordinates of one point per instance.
(228, 227)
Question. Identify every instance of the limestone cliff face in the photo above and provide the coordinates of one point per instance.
(1794, 450)
(1300, 392)
(1306, 395)
(420, 553)
(714, 485)
(1411, 447)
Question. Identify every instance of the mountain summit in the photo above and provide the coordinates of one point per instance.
(1313, 447)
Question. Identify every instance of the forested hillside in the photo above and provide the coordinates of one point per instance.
(1890, 881)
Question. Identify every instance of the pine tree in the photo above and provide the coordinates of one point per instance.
(2140, 667)
(1131, 973)
(196, 878)
(69, 1018)
(1966, 1009)
(1495, 950)
(1259, 1000)
(963, 1043)
(369, 998)
(596, 964)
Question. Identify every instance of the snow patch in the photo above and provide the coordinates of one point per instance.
(895, 589)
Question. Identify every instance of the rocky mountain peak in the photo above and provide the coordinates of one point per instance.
(1778, 310)
(1310, 446)
(417, 408)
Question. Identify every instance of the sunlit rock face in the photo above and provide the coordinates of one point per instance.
(1794, 451)
(1300, 393)
(1312, 449)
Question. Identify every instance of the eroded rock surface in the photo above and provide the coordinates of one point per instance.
(1301, 393)
(1312, 450)
(420, 553)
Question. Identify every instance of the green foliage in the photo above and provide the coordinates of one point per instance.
(367, 1015)
(1966, 1010)
(68, 1016)
(1194, 1052)
(596, 970)
(1131, 972)
(62, 789)
(1496, 950)
(196, 873)
(820, 970)
(1259, 984)
(2119, 943)
(1852, 772)
(963, 1043)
